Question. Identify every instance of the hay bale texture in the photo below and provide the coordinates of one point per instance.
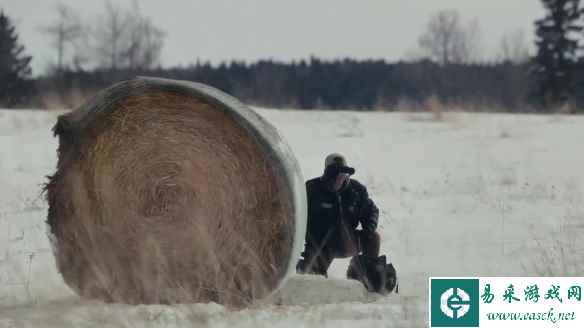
(173, 192)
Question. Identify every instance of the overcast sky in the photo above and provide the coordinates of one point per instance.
(219, 30)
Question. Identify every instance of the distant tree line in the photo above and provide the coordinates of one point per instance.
(339, 84)
(446, 65)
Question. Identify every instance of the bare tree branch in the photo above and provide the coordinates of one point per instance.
(109, 35)
(446, 39)
(145, 41)
(126, 39)
(65, 31)
(514, 47)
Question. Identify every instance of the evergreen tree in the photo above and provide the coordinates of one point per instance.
(15, 69)
(557, 50)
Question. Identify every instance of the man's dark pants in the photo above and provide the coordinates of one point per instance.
(318, 259)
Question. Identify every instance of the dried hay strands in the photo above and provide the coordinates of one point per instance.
(173, 192)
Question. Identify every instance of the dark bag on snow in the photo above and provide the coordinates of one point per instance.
(375, 273)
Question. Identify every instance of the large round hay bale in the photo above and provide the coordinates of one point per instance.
(173, 192)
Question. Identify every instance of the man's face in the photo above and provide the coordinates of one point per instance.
(340, 180)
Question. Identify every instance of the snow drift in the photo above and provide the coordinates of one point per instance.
(472, 194)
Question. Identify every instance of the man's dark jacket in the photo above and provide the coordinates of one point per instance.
(333, 215)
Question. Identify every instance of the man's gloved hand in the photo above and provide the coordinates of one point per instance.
(301, 266)
(369, 227)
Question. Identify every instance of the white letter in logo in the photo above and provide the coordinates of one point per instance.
(455, 303)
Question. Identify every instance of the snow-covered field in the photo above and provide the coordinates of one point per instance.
(473, 194)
